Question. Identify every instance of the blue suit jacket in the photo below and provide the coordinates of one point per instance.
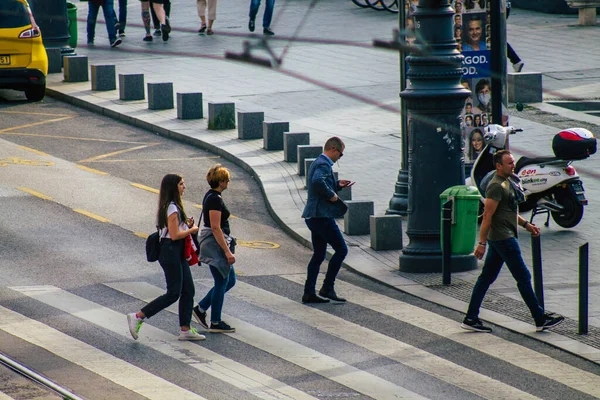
(322, 186)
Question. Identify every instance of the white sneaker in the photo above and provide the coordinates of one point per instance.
(135, 324)
(518, 66)
(192, 334)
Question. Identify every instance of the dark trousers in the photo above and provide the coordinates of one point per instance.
(122, 20)
(267, 16)
(215, 297)
(500, 252)
(167, 7)
(180, 285)
(324, 231)
(108, 10)
(512, 55)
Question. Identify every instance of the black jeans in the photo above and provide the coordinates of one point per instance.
(180, 285)
(324, 231)
(167, 7)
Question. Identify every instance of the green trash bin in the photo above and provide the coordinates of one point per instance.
(72, 23)
(463, 230)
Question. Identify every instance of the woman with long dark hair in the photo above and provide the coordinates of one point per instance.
(174, 227)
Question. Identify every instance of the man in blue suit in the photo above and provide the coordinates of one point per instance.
(320, 211)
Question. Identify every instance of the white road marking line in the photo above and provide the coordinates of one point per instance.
(347, 375)
(396, 350)
(209, 362)
(490, 344)
(97, 361)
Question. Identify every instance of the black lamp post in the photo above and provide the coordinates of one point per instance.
(51, 17)
(434, 99)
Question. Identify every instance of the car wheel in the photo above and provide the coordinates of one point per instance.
(35, 93)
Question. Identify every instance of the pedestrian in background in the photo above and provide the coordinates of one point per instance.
(207, 9)
(157, 6)
(121, 21)
(499, 230)
(322, 207)
(216, 250)
(174, 228)
(267, 16)
(156, 21)
(514, 58)
(109, 13)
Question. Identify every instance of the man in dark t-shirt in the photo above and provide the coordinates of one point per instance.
(499, 230)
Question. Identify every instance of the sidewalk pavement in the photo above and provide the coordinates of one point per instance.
(311, 91)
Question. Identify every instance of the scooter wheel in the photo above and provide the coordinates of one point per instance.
(573, 211)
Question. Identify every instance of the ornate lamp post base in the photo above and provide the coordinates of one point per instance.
(399, 201)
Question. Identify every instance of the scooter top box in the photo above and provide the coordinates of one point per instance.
(574, 144)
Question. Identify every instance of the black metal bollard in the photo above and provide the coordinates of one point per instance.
(538, 280)
(447, 242)
(584, 252)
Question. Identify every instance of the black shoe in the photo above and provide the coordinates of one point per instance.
(251, 25)
(165, 29)
(331, 295)
(548, 321)
(268, 32)
(200, 316)
(220, 327)
(475, 324)
(116, 42)
(313, 298)
(148, 38)
(202, 29)
(157, 32)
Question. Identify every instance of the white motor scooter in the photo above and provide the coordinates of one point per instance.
(551, 185)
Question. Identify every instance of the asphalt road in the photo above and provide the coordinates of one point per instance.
(72, 266)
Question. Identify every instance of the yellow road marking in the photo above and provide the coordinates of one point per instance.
(68, 137)
(19, 161)
(41, 153)
(258, 244)
(34, 124)
(153, 159)
(197, 206)
(34, 193)
(114, 153)
(89, 214)
(92, 170)
(144, 187)
(141, 234)
(33, 113)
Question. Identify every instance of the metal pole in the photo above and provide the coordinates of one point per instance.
(447, 242)
(538, 280)
(498, 57)
(583, 288)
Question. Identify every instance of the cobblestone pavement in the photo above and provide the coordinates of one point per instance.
(343, 90)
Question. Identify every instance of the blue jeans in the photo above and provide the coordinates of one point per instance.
(500, 252)
(122, 20)
(324, 231)
(215, 296)
(267, 16)
(109, 18)
(180, 285)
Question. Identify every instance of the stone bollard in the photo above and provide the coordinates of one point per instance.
(104, 77)
(55, 61)
(189, 106)
(160, 96)
(306, 151)
(273, 134)
(356, 219)
(76, 69)
(346, 193)
(221, 116)
(250, 125)
(307, 163)
(131, 87)
(524, 87)
(386, 232)
(291, 141)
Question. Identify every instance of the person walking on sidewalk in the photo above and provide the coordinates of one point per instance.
(216, 250)
(320, 211)
(165, 26)
(267, 16)
(203, 6)
(174, 228)
(121, 21)
(499, 231)
(515, 60)
(109, 13)
(156, 21)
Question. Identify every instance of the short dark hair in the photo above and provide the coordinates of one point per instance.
(499, 155)
(481, 84)
(334, 142)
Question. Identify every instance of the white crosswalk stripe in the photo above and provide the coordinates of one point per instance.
(220, 367)
(413, 357)
(4, 396)
(490, 344)
(293, 352)
(103, 364)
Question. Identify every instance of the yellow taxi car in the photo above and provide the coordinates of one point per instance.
(23, 59)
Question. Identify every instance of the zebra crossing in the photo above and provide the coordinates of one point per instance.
(314, 353)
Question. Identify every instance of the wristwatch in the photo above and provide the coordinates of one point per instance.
(482, 244)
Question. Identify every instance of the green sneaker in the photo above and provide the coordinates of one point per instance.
(191, 334)
(135, 324)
